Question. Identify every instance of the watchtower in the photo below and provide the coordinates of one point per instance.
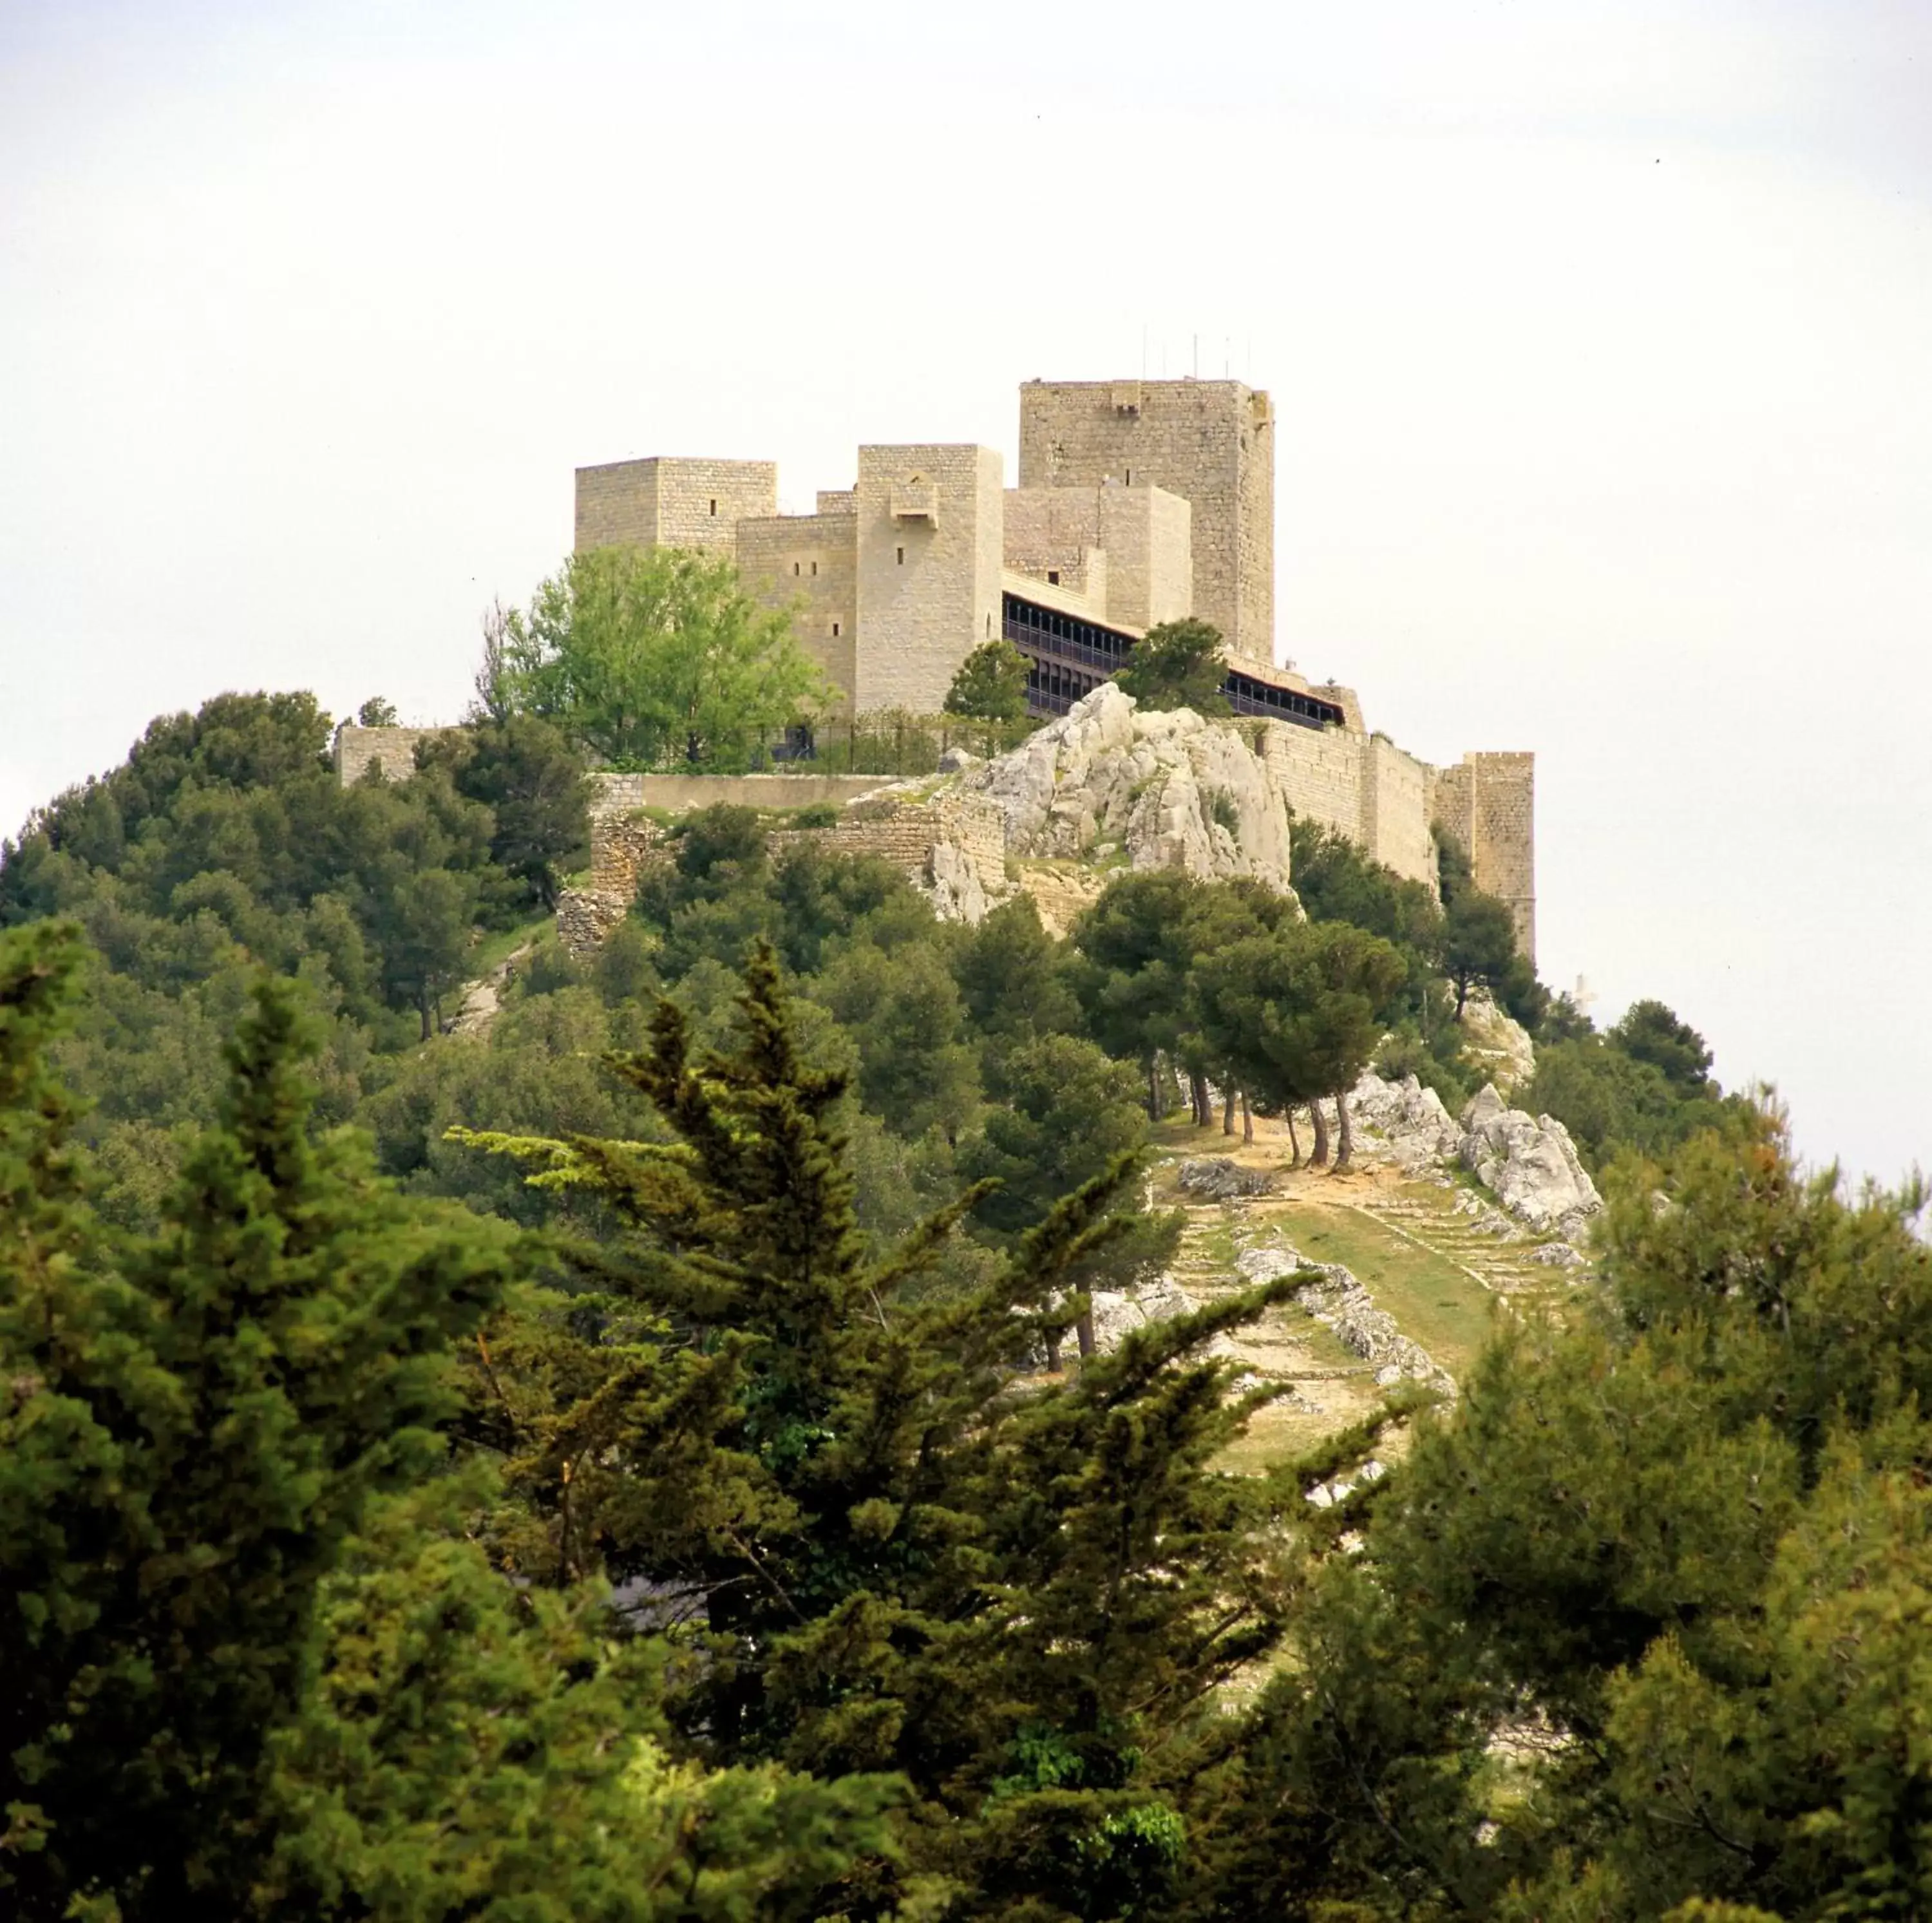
(1211, 442)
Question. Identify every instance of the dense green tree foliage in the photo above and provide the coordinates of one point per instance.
(1020, 1606)
(645, 656)
(533, 782)
(991, 685)
(255, 1665)
(1642, 1619)
(681, 1529)
(1178, 664)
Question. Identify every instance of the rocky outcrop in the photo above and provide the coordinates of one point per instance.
(1340, 1302)
(1530, 1165)
(1410, 1118)
(1497, 1046)
(1216, 1178)
(1116, 1314)
(1161, 789)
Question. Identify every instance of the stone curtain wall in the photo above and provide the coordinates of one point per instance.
(1361, 786)
(807, 565)
(620, 794)
(1318, 772)
(392, 749)
(906, 830)
(1395, 826)
(1211, 442)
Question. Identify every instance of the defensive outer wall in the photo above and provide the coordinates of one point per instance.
(1361, 786)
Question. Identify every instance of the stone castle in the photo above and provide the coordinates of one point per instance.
(1138, 502)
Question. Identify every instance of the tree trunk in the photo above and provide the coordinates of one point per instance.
(1347, 1141)
(1053, 1355)
(1294, 1140)
(1083, 1329)
(1461, 994)
(1247, 1119)
(1154, 1088)
(1319, 1160)
(1204, 1103)
(423, 1009)
(1227, 1112)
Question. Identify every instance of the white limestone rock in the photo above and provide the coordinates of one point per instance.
(1410, 1118)
(1496, 1044)
(1116, 1314)
(1220, 1178)
(1172, 790)
(1530, 1165)
(955, 886)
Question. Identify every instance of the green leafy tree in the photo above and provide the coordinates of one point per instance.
(1018, 984)
(991, 685)
(531, 780)
(1135, 943)
(647, 656)
(1298, 1010)
(376, 712)
(1673, 1547)
(1478, 942)
(902, 1008)
(1022, 1604)
(1066, 1113)
(193, 1433)
(1220, 914)
(1649, 1032)
(1178, 664)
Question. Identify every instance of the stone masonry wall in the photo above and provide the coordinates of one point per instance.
(393, 749)
(670, 502)
(1318, 772)
(928, 586)
(617, 506)
(1358, 785)
(1395, 827)
(903, 829)
(1487, 801)
(612, 794)
(1211, 442)
(1148, 534)
(807, 566)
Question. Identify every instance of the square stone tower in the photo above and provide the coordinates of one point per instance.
(1211, 442)
(665, 502)
(930, 546)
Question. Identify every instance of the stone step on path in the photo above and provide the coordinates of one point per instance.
(1277, 1347)
(1500, 1265)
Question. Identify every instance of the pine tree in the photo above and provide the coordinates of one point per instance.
(196, 1423)
(889, 1558)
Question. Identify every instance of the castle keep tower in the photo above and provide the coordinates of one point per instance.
(1211, 442)
(665, 502)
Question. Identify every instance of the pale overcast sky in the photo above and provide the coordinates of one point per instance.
(1598, 335)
